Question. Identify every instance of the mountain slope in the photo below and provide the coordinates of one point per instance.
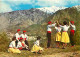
(22, 18)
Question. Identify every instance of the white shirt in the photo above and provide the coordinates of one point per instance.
(12, 44)
(58, 29)
(36, 43)
(49, 27)
(19, 44)
(24, 36)
(65, 27)
(17, 36)
(73, 27)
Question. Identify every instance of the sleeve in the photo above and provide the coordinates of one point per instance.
(68, 27)
(26, 37)
(18, 45)
(20, 35)
(52, 25)
(13, 44)
(61, 26)
(37, 43)
(15, 35)
(56, 28)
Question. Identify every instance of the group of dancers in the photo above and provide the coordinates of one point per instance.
(20, 41)
(61, 33)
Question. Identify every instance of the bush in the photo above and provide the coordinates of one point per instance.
(77, 38)
(4, 42)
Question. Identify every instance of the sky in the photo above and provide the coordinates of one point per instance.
(13, 5)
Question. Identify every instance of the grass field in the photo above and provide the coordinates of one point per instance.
(50, 51)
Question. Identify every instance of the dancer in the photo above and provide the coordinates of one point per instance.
(58, 35)
(72, 32)
(49, 26)
(65, 38)
(12, 47)
(36, 47)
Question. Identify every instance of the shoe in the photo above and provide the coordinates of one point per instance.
(63, 48)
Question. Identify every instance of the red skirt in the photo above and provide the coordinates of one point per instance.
(72, 32)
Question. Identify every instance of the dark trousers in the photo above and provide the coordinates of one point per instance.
(26, 42)
(49, 39)
(72, 39)
(16, 42)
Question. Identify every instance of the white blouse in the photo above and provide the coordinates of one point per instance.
(36, 43)
(49, 27)
(58, 29)
(73, 27)
(19, 44)
(17, 36)
(65, 27)
(12, 44)
(24, 36)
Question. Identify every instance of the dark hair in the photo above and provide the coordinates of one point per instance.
(65, 23)
(57, 25)
(14, 38)
(38, 38)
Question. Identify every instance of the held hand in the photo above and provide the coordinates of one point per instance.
(54, 22)
(69, 23)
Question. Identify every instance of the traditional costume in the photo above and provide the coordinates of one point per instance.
(73, 28)
(24, 36)
(22, 45)
(58, 34)
(49, 33)
(12, 49)
(36, 47)
(65, 36)
(17, 36)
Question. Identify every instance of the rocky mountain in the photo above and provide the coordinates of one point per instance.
(22, 18)
(52, 9)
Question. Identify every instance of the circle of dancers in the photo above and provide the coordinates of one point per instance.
(20, 41)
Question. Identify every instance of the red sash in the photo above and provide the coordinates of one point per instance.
(20, 48)
(64, 31)
(25, 38)
(48, 31)
(72, 32)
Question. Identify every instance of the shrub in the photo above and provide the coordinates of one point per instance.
(77, 38)
(4, 42)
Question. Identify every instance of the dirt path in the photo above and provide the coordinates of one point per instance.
(63, 54)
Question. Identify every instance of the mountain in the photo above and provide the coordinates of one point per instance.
(77, 7)
(52, 9)
(22, 18)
